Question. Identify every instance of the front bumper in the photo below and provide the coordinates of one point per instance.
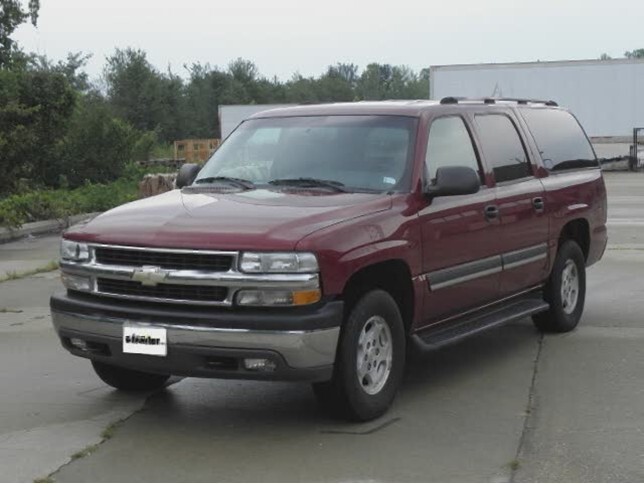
(207, 346)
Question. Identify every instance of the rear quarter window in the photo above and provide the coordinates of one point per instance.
(561, 141)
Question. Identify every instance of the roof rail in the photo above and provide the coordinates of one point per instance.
(493, 100)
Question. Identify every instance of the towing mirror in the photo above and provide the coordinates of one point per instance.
(187, 174)
(454, 180)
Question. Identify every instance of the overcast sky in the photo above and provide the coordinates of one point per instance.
(285, 36)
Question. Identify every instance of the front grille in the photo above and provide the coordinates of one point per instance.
(163, 291)
(166, 260)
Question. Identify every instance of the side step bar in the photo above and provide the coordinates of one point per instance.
(443, 334)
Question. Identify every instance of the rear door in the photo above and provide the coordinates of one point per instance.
(520, 200)
(460, 257)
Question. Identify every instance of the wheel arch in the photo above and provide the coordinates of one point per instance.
(393, 276)
(577, 230)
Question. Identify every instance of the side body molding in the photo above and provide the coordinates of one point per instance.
(451, 276)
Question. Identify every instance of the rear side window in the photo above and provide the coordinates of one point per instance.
(449, 144)
(502, 147)
(560, 139)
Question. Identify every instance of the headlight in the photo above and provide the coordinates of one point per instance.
(74, 251)
(276, 262)
(77, 283)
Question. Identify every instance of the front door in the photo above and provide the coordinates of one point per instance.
(461, 262)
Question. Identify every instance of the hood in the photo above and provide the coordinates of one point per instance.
(251, 220)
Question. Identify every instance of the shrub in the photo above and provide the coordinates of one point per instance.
(35, 107)
(16, 210)
(97, 146)
(144, 146)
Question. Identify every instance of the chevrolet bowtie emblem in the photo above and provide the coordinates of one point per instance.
(150, 275)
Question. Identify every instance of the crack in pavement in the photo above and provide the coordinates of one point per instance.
(52, 444)
(105, 435)
(516, 462)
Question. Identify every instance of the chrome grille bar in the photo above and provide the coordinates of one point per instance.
(230, 280)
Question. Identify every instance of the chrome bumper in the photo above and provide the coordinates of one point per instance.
(303, 349)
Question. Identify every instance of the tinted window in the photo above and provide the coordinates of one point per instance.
(449, 145)
(502, 147)
(561, 141)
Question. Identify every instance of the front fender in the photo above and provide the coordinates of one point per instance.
(345, 248)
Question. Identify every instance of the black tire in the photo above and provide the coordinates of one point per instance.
(345, 395)
(560, 318)
(129, 380)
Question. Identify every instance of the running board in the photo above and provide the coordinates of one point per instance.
(443, 334)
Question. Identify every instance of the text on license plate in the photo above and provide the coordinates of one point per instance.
(145, 340)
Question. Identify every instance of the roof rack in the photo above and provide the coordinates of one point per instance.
(493, 100)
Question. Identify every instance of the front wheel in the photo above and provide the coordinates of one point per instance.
(129, 380)
(370, 361)
(565, 291)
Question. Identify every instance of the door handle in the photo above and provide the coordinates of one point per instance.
(538, 204)
(491, 212)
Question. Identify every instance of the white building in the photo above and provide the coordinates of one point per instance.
(606, 95)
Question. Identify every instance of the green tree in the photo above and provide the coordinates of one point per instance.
(146, 98)
(208, 87)
(243, 71)
(383, 81)
(337, 84)
(97, 145)
(348, 72)
(374, 82)
(35, 107)
(71, 68)
(12, 14)
(634, 54)
(301, 90)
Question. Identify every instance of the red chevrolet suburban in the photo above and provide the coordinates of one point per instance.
(320, 243)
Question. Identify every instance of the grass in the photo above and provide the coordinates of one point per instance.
(86, 451)
(12, 275)
(108, 432)
(9, 310)
(514, 465)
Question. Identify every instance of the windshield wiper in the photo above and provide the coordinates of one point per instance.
(238, 182)
(309, 182)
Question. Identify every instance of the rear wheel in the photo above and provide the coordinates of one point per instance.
(127, 379)
(565, 291)
(370, 360)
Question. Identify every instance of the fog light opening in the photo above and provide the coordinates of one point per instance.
(79, 344)
(259, 364)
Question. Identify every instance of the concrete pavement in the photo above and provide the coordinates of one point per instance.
(507, 405)
(51, 405)
(28, 253)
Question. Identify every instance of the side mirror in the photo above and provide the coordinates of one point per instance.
(454, 180)
(187, 174)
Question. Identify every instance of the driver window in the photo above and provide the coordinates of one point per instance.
(449, 144)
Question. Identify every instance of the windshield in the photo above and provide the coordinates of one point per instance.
(370, 153)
